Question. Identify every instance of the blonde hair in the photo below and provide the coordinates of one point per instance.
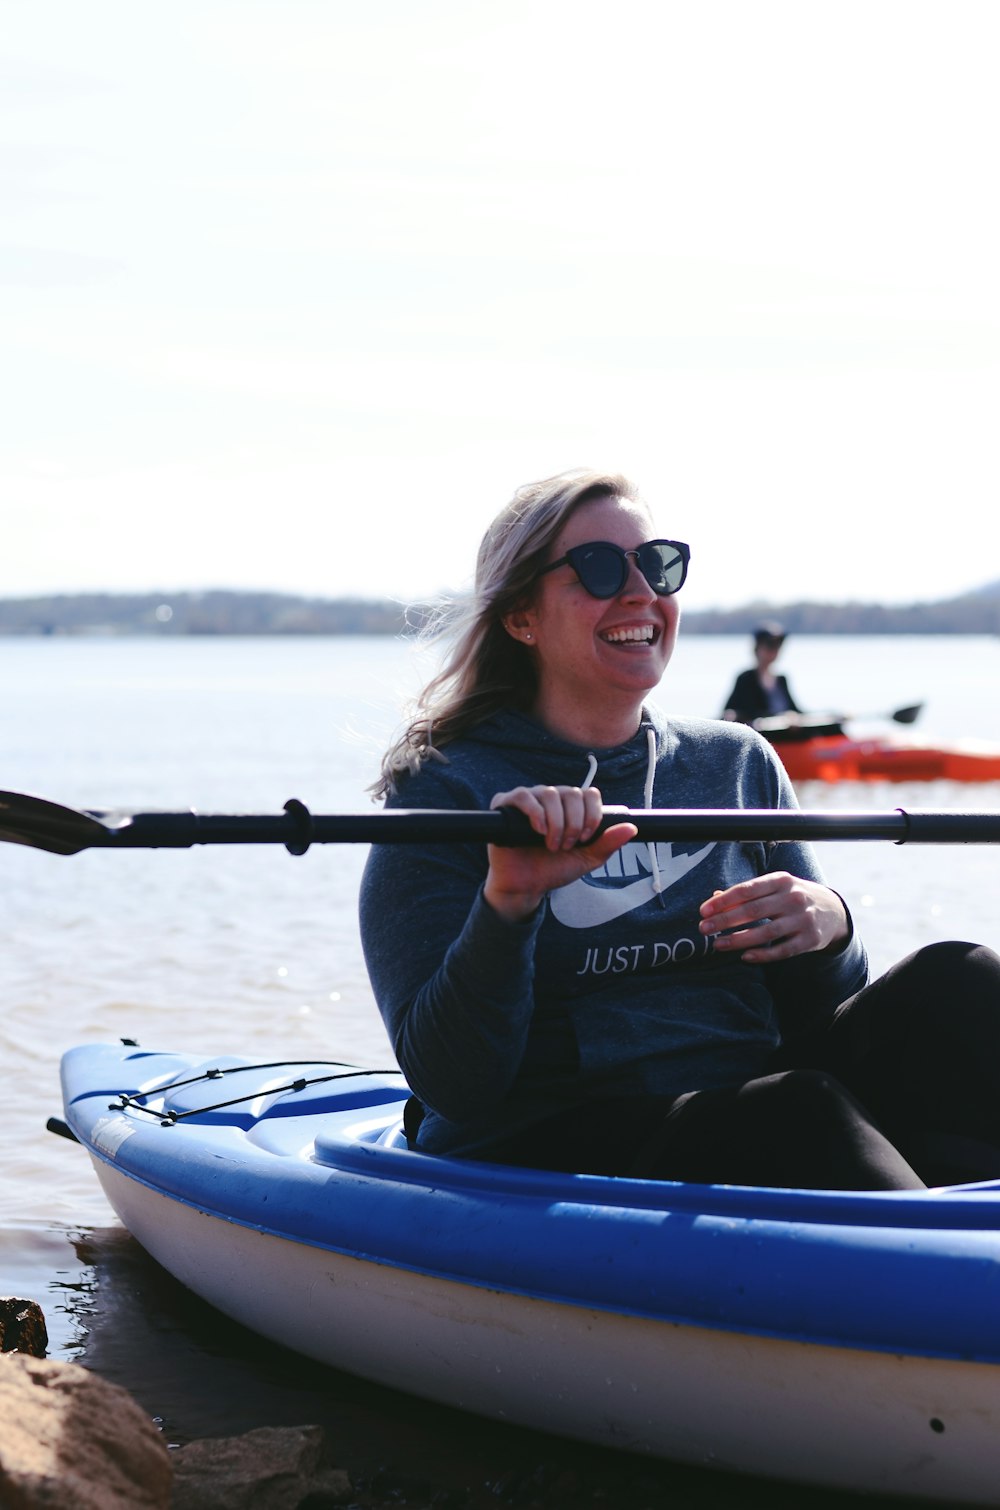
(486, 669)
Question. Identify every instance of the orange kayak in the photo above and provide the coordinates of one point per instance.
(839, 757)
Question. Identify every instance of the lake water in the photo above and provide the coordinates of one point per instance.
(249, 950)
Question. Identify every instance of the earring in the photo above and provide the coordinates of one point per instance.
(528, 635)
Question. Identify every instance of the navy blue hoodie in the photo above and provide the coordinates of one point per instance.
(609, 989)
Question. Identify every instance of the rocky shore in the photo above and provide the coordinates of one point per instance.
(71, 1441)
(71, 1438)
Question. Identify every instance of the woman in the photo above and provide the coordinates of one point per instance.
(762, 692)
(601, 1005)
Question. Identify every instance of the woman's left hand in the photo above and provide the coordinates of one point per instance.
(774, 917)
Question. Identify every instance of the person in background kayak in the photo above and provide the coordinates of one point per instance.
(762, 692)
(596, 1004)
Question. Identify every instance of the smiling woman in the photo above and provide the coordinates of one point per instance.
(602, 620)
(608, 1006)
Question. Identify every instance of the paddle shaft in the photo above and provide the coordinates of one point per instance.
(297, 828)
(65, 831)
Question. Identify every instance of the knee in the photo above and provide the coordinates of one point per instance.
(809, 1091)
(954, 960)
(959, 982)
(933, 978)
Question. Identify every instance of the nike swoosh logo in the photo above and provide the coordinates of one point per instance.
(604, 895)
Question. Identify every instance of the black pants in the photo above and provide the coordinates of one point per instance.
(900, 1090)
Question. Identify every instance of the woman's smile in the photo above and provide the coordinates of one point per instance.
(638, 635)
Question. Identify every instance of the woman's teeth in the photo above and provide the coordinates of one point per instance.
(644, 635)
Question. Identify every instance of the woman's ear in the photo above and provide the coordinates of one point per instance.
(520, 625)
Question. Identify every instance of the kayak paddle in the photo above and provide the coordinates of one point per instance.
(779, 727)
(41, 824)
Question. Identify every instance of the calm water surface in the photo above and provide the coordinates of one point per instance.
(250, 950)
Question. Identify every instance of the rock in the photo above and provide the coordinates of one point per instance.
(22, 1327)
(332, 1486)
(72, 1441)
(272, 1468)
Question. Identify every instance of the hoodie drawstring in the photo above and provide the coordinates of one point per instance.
(648, 802)
(654, 863)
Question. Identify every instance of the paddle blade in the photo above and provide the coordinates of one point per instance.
(46, 825)
(908, 715)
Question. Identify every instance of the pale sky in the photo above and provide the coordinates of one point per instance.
(294, 293)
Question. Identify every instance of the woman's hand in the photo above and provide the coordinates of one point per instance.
(775, 917)
(567, 817)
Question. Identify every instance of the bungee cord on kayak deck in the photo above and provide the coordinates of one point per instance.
(133, 1100)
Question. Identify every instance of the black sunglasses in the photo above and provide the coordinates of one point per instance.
(603, 567)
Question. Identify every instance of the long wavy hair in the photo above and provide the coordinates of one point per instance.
(486, 669)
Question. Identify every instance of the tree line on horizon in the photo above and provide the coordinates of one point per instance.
(230, 612)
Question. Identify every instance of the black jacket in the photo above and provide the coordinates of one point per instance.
(749, 700)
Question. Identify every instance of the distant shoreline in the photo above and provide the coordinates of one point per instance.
(221, 612)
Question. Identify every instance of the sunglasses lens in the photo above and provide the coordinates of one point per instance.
(601, 569)
(663, 565)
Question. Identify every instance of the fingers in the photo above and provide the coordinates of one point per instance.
(566, 816)
(568, 819)
(773, 917)
(747, 903)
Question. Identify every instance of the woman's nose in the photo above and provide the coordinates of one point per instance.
(635, 584)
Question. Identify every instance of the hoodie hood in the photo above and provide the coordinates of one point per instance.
(551, 758)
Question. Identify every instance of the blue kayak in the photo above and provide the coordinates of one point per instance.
(850, 1340)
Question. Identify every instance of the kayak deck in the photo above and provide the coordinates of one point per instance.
(268, 1145)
